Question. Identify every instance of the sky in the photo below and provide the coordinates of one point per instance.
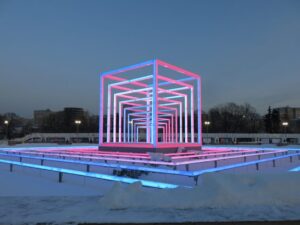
(51, 52)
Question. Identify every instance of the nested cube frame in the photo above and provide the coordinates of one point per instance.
(150, 105)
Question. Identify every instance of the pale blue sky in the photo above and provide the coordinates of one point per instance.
(51, 52)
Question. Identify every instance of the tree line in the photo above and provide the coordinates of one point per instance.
(235, 118)
(58, 122)
(224, 118)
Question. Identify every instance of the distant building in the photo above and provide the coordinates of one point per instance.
(71, 114)
(60, 121)
(295, 125)
(288, 113)
(39, 116)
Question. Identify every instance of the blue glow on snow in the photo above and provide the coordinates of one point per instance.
(297, 169)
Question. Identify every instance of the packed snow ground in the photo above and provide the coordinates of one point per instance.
(219, 197)
(27, 197)
(22, 184)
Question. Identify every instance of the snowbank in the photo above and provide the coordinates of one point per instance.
(214, 191)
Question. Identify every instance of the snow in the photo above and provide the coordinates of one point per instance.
(35, 197)
(214, 191)
(219, 197)
(20, 184)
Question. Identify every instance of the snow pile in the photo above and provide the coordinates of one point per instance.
(214, 191)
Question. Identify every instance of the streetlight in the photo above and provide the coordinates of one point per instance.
(206, 123)
(6, 122)
(285, 125)
(77, 123)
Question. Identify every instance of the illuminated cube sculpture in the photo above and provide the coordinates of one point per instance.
(151, 105)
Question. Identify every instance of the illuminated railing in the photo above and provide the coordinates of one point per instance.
(238, 148)
(244, 156)
(210, 154)
(99, 164)
(238, 165)
(146, 156)
(163, 163)
(159, 170)
(131, 156)
(106, 177)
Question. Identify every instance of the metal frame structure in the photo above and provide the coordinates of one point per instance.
(152, 104)
(154, 110)
(223, 159)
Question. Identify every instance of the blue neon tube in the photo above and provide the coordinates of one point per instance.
(145, 183)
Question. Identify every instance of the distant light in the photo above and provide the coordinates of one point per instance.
(78, 122)
(285, 123)
(207, 123)
(6, 122)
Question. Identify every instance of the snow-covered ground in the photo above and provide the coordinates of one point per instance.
(31, 197)
(22, 184)
(219, 197)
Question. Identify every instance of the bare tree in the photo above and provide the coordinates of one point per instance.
(233, 118)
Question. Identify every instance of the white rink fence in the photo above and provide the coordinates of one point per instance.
(208, 138)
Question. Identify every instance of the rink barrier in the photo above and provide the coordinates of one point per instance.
(198, 173)
(187, 155)
(136, 157)
(194, 174)
(212, 154)
(61, 171)
(99, 164)
(162, 163)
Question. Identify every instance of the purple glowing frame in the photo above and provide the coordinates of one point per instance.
(147, 103)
